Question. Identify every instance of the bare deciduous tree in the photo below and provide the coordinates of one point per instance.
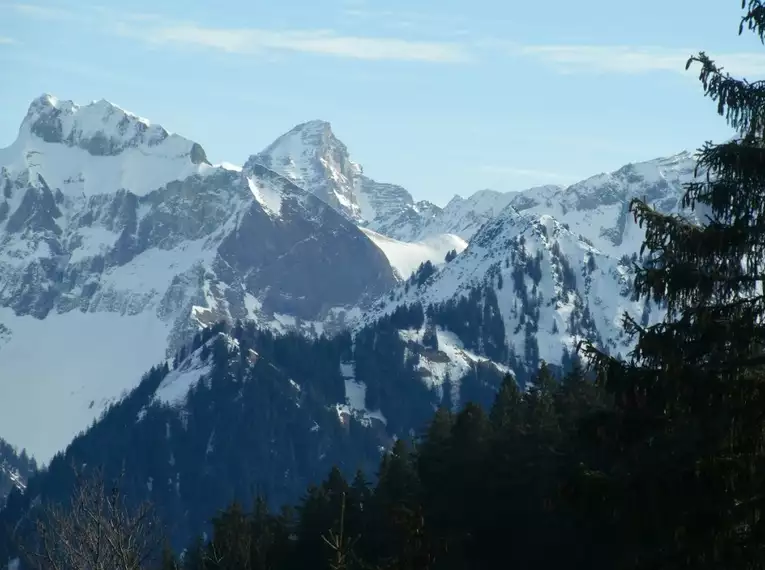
(97, 530)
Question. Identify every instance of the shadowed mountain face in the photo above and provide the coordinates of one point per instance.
(112, 225)
(119, 239)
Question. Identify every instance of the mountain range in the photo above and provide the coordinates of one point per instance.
(119, 241)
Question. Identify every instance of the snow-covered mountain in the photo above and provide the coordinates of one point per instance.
(598, 207)
(311, 156)
(117, 239)
(465, 216)
(558, 260)
(552, 287)
(406, 257)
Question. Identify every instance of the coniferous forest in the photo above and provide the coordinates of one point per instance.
(653, 462)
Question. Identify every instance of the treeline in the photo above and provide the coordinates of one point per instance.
(477, 490)
(15, 468)
(261, 422)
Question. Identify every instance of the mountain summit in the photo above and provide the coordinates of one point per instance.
(101, 129)
(97, 148)
(118, 240)
(311, 156)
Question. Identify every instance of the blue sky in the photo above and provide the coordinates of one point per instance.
(442, 97)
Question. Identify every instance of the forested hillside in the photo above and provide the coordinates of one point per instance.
(439, 448)
(242, 413)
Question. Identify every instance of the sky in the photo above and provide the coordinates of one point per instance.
(444, 97)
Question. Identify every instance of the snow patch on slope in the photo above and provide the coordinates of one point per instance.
(355, 397)
(267, 197)
(406, 257)
(451, 362)
(48, 380)
(176, 385)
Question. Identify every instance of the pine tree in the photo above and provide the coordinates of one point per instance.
(685, 443)
(506, 412)
(434, 464)
(541, 415)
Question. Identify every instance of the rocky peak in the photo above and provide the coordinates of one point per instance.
(98, 148)
(597, 208)
(100, 128)
(312, 157)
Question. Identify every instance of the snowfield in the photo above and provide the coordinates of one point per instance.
(406, 257)
(111, 232)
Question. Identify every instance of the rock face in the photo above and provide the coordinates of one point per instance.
(598, 207)
(119, 239)
(558, 260)
(109, 223)
(311, 156)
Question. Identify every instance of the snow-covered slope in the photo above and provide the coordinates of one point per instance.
(598, 208)
(558, 259)
(311, 156)
(118, 239)
(552, 287)
(406, 257)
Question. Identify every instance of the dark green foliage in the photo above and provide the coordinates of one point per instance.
(450, 255)
(245, 431)
(430, 338)
(405, 317)
(474, 490)
(480, 384)
(382, 364)
(476, 320)
(422, 274)
(677, 468)
(14, 463)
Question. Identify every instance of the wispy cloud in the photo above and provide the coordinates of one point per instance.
(102, 16)
(251, 41)
(155, 30)
(605, 59)
(6, 41)
(42, 12)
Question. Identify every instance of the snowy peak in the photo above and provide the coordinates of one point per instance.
(598, 208)
(136, 245)
(465, 216)
(312, 157)
(96, 149)
(100, 128)
(550, 287)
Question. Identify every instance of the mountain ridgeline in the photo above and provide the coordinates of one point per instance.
(114, 227)
(241, 412)
(275, 309)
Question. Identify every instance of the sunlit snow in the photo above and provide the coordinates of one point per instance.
(57, 374)
(406, 257)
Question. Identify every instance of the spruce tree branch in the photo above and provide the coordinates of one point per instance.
(754, 19)
(739, 101)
